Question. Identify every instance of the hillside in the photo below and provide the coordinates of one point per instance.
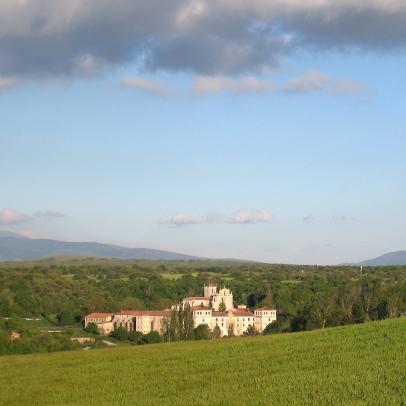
(391, 258)
(14, 247)
(362, 364)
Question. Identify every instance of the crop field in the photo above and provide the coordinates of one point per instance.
(360, 364)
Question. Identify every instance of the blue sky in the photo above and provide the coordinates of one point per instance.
(302, 162)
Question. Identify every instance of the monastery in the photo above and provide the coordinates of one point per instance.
(214, 308)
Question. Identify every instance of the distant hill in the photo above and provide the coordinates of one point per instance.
(391, 258)
(14, 247)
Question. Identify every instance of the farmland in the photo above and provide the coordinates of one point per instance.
(358, 364)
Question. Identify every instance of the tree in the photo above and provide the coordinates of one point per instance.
(188, 323)
(230, 331)
(120, 333)
(202, 332)
(281, 325)
(152, 337)
(216, 333)
(134, 336)
(251, 331)
(65, 318)
(222, 306)
(92, 328)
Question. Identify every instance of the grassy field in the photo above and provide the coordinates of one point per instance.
(362, 364)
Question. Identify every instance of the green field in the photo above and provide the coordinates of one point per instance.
(360, 364)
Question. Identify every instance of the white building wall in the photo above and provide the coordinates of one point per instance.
(224, 295)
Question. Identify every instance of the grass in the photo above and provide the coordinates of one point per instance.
(352, 365)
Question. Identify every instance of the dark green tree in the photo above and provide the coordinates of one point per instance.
(120, 333)
(251, 331)
(202, 332)
(152, 337)
(92, 328)
(222, 306)
(216, 333)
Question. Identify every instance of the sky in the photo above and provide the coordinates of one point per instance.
(265, 130)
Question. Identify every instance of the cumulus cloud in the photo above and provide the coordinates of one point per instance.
(217, 84)
(145, 86)
(246, 217)
(313, 81)
(82, 37)
(239, 217)
(10, 216)
(49, 214)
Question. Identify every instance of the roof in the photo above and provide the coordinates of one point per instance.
(242, 312)
(264, 308)
(201, 308)
(196, 298)
(99, 315)
(219, 314)
(162, 313)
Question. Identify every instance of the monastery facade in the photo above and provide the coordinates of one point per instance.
(214, 308)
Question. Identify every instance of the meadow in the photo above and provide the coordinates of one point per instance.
(357, 364)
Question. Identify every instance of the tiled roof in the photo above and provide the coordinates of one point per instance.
(163, 313)
(201, 308)
(99, 315)
(242, 312)
(219, 314)
(196, 298)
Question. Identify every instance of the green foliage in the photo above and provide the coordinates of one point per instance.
(202, 332)
(353, 365)
(251, 331)
(66, 318)
(179, 326)
(281, 325)
(152, 337)
(92, 328)
(216, 333)
(63, 290)
(119, 333)
(134, 336)
(222, 306)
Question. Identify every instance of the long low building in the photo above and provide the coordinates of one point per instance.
(215, 309)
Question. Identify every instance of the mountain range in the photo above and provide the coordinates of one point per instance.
(391, 258)
(15, 247)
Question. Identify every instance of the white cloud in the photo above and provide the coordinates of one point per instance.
(40, 38)
(7, 82)
(49, 214)
(253, 216)
(217, 84)
(145, 86)
(239, 217)
(181, 220)
(314, 80)
(9, 216)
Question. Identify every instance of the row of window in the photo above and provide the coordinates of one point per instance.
(199, 313)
